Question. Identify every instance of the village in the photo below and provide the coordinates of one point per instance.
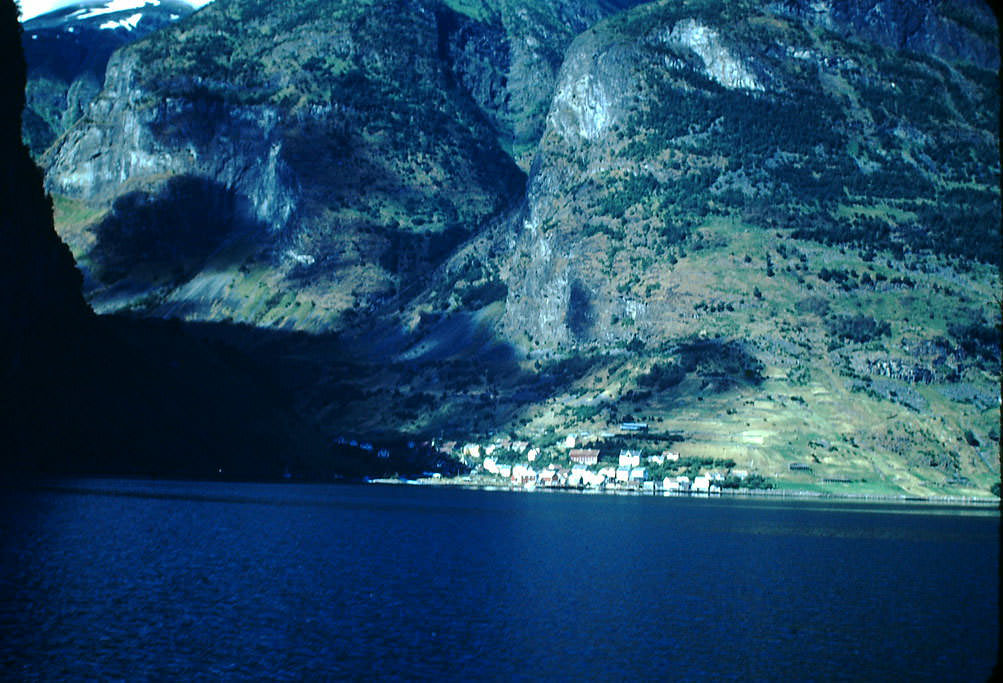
(576, 463)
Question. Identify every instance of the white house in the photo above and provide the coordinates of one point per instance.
(490, 465)
(680, 483)
(656, 459)
(701, 483)
(548, 477)
(630, 458)
(608, 472)
(570, 441)
(533, 454)
(669, 455)
(579, 475)
(637, 474)
(522, 474)
(505, 471)
(623, 474)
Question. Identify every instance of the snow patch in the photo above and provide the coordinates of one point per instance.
(302, 259)
(36, 8)
(129, 23)
(115, 6)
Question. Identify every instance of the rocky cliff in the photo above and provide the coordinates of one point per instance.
(671, 115)
(81, 394)
(352, 146)
(40, 297)
(771, 229)
(67, 51)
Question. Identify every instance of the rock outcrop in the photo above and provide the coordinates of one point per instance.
(667, 116)
(67, 51)
(40, 292)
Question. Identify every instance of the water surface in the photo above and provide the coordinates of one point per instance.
(126, 579)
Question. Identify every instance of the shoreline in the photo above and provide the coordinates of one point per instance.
(983, 504)
(944, 501)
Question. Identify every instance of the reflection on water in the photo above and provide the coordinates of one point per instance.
(121, 579)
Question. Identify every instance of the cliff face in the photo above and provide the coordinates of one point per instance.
(81, 394)
(670, 115)
(349, 162)
(67, 51)
(353, 144)
(40, 297)
(508, 55)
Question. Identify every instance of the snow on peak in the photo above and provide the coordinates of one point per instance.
(114, 6)
(129, 23)
(34, 8)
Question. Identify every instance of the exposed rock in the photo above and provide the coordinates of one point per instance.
(67, 51)
(718, 62)
(668, 114)
(956, 30)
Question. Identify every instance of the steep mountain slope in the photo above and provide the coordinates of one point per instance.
(752, 230)
(67, 51)
(40, 290)
(769, 231)
(675, 114)
(316, 157)
(82, 394)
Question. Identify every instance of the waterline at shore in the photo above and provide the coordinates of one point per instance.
(487, 484)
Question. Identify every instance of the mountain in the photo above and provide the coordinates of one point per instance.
(41, 288)
(340, 151)
(669, 120)
(67, 51)
(82, 394)
(770, 231)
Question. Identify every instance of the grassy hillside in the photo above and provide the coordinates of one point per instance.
(774, 241)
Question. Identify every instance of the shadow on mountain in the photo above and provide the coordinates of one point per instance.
(693, 368)
(454, 378)
(161, 237)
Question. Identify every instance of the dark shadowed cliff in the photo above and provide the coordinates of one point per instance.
(82, 394)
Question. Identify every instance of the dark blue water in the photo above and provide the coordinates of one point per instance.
(180, 580)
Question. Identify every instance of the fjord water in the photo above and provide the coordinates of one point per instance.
(129, 579)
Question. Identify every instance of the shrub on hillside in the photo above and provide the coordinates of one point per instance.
(857, 328)
(662, 376)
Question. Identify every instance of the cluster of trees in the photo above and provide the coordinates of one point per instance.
(857, 328)
(978, 339)
(662, 376)
(724, 361)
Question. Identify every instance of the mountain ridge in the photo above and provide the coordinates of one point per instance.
(67, 51)
(766, 203)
